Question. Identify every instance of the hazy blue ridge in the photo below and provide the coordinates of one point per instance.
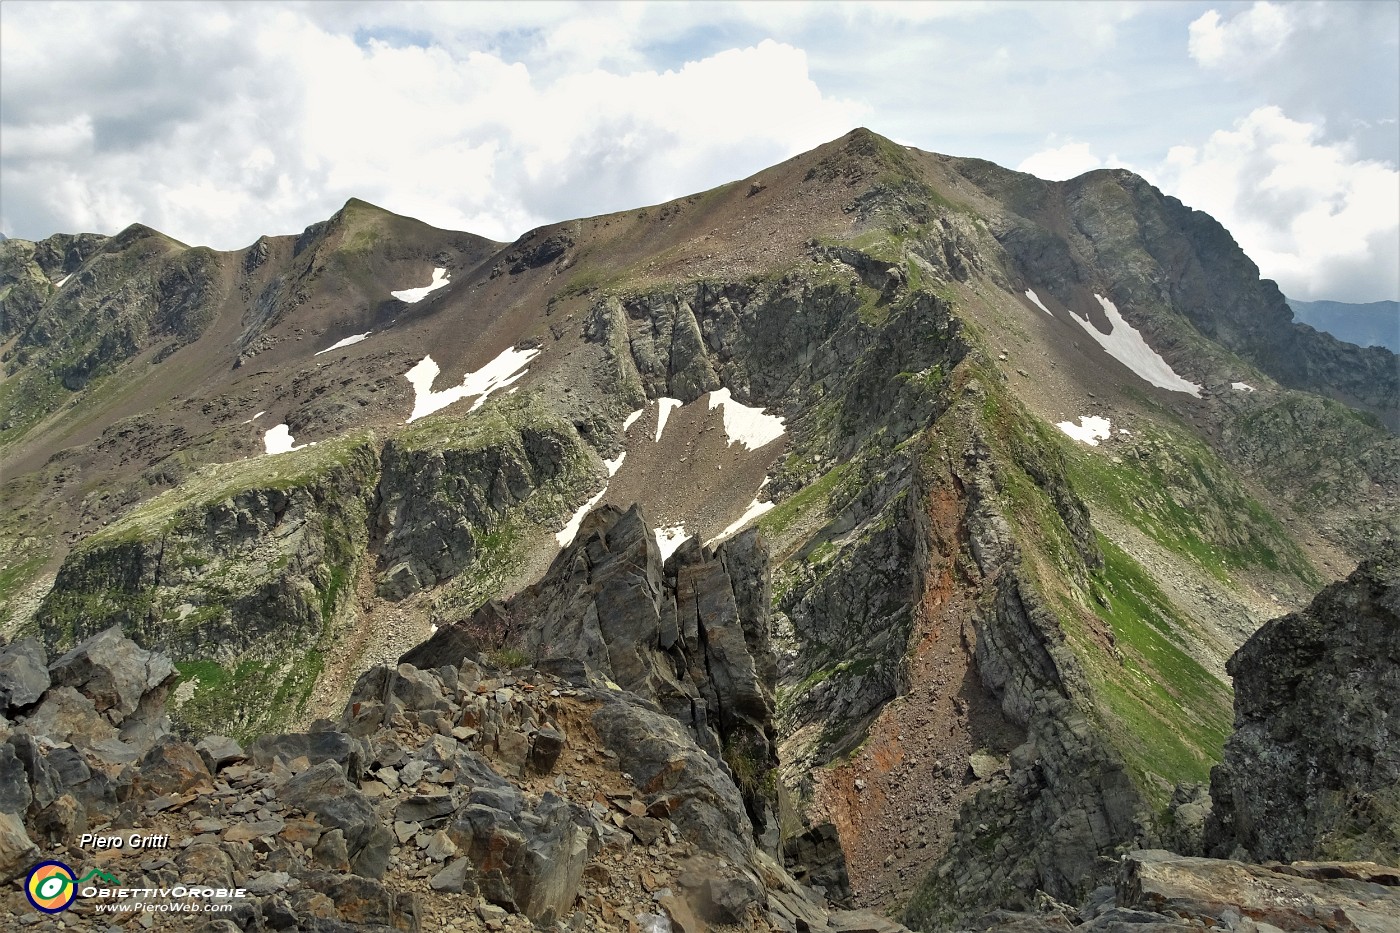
(1376, 323)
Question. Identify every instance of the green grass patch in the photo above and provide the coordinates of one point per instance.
(1180, 495)
(19, 574)
(1167, 714)
(248, 698)
(787, 517)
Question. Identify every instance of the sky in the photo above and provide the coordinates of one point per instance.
(219, 122)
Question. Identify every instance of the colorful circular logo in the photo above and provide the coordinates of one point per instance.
(51, 887)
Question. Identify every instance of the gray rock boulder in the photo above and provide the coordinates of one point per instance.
(1362, 897)
(24, 674)
(1313, 767)
(323, 792)
(17, 852)
(114, 672)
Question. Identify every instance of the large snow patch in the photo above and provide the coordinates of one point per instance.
(1091, 429)
(508, 366)
(279, 440)
(412, 295)
(347, 342)
(1125, 344)
(751, 427)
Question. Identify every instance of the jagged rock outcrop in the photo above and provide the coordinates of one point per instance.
(1066, 803)
(514, 800)
(29, 272)
(1312, 770)
(690, 635)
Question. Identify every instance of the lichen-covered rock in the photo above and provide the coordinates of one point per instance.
(447, 492)
(1313, 767)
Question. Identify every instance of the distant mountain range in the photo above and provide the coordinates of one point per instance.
(1374, 324)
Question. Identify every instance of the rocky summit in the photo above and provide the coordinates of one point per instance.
(884, 541)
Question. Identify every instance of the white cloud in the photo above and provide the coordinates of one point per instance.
(1309, 213)
(1062, 162)
(48, 140)
(303, 117)
(217, 122)
(1244, 40)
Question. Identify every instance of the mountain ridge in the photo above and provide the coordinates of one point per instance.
(915, 334)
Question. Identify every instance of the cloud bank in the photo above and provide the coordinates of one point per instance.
(218, 122)
(247, 123)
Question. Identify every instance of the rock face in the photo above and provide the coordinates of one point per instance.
(252, 577)
(256, 574)
(1049, 822)
(1157, 251)
(1313, 768)
(442, 503)
(689, 635)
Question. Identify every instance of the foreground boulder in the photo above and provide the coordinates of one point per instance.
(1313, 767)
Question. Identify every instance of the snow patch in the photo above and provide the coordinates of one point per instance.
(255, 417)
(63, 281)
(1091, 429)
(507, 367)
(1242, 387)
(632, 419)
(348, 341)
(664, 406)
(754, 510)
(748, 426)
(1035, 299)
(615, 465)
(1125, 344)
(566, 535)
(411, 295)
(668, 539)
(279, 440)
